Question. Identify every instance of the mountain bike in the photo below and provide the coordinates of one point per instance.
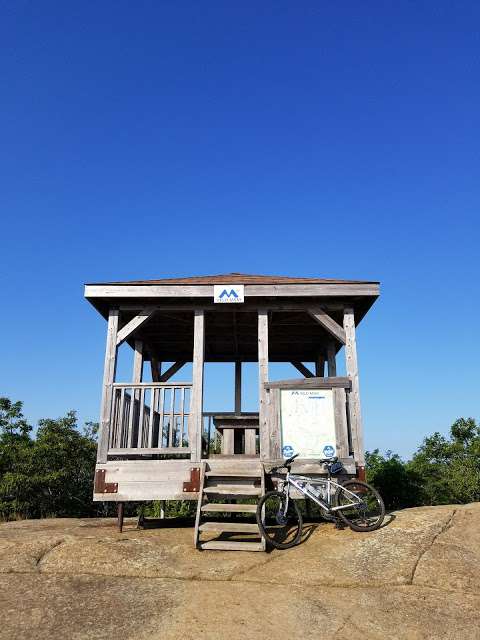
(355, 503)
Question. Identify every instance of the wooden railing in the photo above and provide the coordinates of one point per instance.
(149, 418)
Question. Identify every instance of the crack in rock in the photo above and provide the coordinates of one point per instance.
(446, 526)
(45, 553)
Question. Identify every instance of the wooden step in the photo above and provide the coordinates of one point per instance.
(231, 527)
(229, 508)
(231, 545)
(245, 473)
(233, 490)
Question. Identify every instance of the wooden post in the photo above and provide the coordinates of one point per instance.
(138, 362)
(156, 368)
(319, 368)
(137, 376)
(120, 512)
(332, 363)
(196, 410)
(262, 378)
(354, 399)
(238, 386)
(108, 380)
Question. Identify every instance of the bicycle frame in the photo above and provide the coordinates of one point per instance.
(301, 484)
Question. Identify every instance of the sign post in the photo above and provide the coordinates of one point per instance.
(307, 419)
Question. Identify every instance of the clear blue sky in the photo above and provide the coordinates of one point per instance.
(152, 139)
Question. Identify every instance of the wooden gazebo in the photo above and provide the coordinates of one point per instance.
(155, 440)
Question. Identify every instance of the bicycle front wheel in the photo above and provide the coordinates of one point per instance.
(363, 513)
(281, 528)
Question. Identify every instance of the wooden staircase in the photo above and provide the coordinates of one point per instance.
(229, 481)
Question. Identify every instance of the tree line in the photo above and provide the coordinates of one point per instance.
(49, 472)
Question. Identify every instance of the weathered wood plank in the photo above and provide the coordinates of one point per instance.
(310, 383)
(332, 360)
(206, 291)
(157, 385)
(238, 386)
(328, 323)
(134, 324)
(196, 402)
(232, 527)
(108, 380)
(230, 545)
(262, 380)
(137, 376)
(354, 397)
(215, 507)
(156, 368)
(320, 366)
(274, 422)
(250, 441)
(228, 442)
(341, 433)
(196, 531)
(129, 451)
(305, 371)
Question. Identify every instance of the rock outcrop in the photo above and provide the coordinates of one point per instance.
(417, 577)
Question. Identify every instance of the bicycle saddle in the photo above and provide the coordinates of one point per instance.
(329, 461)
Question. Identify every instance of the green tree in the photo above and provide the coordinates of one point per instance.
(450, 467)
(16, 450)
(50, 475)
(399, 486)
(64, 462)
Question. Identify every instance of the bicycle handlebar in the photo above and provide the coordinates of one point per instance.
(286, 464)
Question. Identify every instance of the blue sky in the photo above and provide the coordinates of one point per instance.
(155, 139)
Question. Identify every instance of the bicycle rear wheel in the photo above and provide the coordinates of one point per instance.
(368, 513)
(280, 530)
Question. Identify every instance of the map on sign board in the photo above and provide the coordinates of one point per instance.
(228, 293)
(307, 421)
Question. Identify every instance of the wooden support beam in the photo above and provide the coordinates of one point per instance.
(328, 290)
(331, 358)
(176, 366)
(354, 396)
(305, 371)
(196, 403)
(310, 383)
(108, 380)
(138, 362)
(262, 379)
(134, 324)
(321, 316)
(320, 366)
(238, 386)
(156, 368)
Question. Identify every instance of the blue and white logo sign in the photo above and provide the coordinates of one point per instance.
(287, 451)
(228, 293)
(328, 451)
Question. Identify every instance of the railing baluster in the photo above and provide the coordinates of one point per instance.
(140, 418)
(134, 412)
(208, 437)
(121, 419)
(172, 418)
(153, 396)
(160, 423)
(182, 409)
(130, 419)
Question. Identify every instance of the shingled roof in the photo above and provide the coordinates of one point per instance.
(242, 278)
